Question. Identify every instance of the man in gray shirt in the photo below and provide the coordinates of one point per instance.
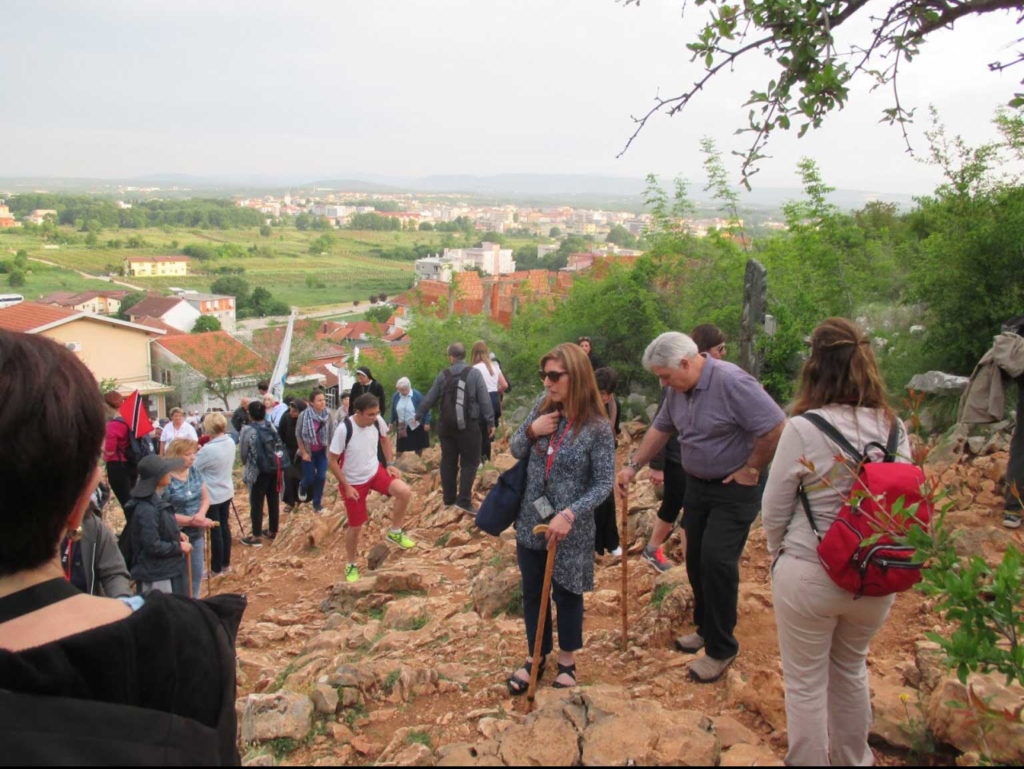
(465, 403)
(728, 430)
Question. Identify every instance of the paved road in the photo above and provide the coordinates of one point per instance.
(248, 326)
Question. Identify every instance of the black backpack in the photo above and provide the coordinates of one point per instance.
(455, 401)
(138, 448)
(271, 456)
(348, 430)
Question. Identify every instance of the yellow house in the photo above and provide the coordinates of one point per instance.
(156, 266)
(114, 350)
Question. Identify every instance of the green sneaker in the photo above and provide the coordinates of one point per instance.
(352, 573)
(401, 540)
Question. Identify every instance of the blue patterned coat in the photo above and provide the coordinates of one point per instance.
(582, 477)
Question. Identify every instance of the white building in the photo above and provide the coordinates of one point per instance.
(491, 258)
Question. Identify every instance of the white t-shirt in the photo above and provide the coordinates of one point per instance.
(361, 461)
(185, 431)
(491, 380)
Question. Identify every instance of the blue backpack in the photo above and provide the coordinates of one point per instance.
(501, 507)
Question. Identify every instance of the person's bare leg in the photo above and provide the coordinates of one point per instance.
(352, 543)
(661, 532)
(402, 494)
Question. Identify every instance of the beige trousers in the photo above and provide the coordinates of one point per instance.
(824, 634)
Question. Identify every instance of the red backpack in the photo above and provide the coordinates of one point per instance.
(851, 551)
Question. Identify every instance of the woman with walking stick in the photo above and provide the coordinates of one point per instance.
(571, 470)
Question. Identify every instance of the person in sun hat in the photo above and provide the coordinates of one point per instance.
(159, 548)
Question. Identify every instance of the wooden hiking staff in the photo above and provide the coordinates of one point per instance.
(188, 563)
(625, 569)
(206, 536)
(542, 621)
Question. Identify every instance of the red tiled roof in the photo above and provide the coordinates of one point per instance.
(156, 323)
(132, 259)
(58, 297)
(28, 316)
(215, 354)
(154, 306)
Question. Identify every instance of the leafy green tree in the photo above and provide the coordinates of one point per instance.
(379, 314)
(620, 236)
(321, 224)
(206, 323)
(202, 252)
(16, 279)
(426, 227)
(233, 286)
(21, 259)
(91, 240)
(819, 49)
(302, 222)
(131, 299)
(265, 231)
(555, 232)
(323, 244)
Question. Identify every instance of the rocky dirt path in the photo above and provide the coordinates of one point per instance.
(408, 666)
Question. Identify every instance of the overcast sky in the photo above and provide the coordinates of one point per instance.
(346, 88)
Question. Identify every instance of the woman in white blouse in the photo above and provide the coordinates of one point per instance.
(825, 631)
(496, 384)
(175, 429)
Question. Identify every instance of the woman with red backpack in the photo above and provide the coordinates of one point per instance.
(824, 629)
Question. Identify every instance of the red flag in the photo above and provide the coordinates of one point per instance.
(135, 415)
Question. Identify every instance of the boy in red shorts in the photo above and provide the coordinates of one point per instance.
(353, 460)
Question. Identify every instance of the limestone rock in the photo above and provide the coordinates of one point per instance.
(484, 754)
(546, 739)
(415, 755)
(377, 556)
(890, 723)
(763, 692)
(959, 727)
(493, 591)
(750, 755)
(488, 479)
(937, 382)
(731, 732)
(325, 699)
(408, 462)
(265, 760)
(929, 659)
(405, 581)
(406, 614)
(345, 596)
(265, 717)
(340, 733)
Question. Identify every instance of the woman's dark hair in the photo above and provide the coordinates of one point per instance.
(365, 401)
(257, 411)
(299, 405)
(49, 449)
(707, 337)
(315, 392)
(607, 380)
(841, 369)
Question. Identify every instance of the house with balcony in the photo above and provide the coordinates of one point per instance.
(156, 266)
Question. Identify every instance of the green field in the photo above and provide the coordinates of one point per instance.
(348, 273)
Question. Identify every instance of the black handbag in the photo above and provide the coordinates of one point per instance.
(501, 507)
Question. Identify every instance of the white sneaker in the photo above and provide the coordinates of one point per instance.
(617, 552)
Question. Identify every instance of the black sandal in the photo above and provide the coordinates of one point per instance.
(517, 687)
(565, 670)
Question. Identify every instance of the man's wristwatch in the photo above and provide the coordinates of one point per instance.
(633, 464)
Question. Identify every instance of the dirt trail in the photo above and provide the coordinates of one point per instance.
(289, 642)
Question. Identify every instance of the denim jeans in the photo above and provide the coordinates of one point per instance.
(314, 476)
(198, 558)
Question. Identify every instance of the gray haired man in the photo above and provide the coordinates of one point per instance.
(728, 429)
(459, 425)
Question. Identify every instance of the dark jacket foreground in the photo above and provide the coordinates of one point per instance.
(157, 688)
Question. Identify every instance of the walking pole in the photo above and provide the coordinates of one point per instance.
(625, 569)
(188, 561)
(241, 528)
(206, 537)
(542, 621)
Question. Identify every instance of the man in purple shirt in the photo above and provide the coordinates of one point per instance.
(728, 429)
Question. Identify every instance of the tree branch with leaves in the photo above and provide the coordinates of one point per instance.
(815, 75)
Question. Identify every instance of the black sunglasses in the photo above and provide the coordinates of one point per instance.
(554, 376)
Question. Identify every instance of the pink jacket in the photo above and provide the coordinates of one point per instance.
(115, 447)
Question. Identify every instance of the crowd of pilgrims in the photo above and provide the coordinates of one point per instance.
(105, 635)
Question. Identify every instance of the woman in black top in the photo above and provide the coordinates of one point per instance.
(159, 672)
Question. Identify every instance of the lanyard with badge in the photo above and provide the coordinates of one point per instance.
(542, 505)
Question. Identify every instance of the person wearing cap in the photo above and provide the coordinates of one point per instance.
(159, 548)
(121, 473)
(365, 383)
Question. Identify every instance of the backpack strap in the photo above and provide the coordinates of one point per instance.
(807, 509)
(348, 430)
(893, 445)
(834, 435)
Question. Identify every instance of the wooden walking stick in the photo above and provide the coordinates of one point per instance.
(625, 569)
(542, 620)
(188, 562)
(209, 555)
